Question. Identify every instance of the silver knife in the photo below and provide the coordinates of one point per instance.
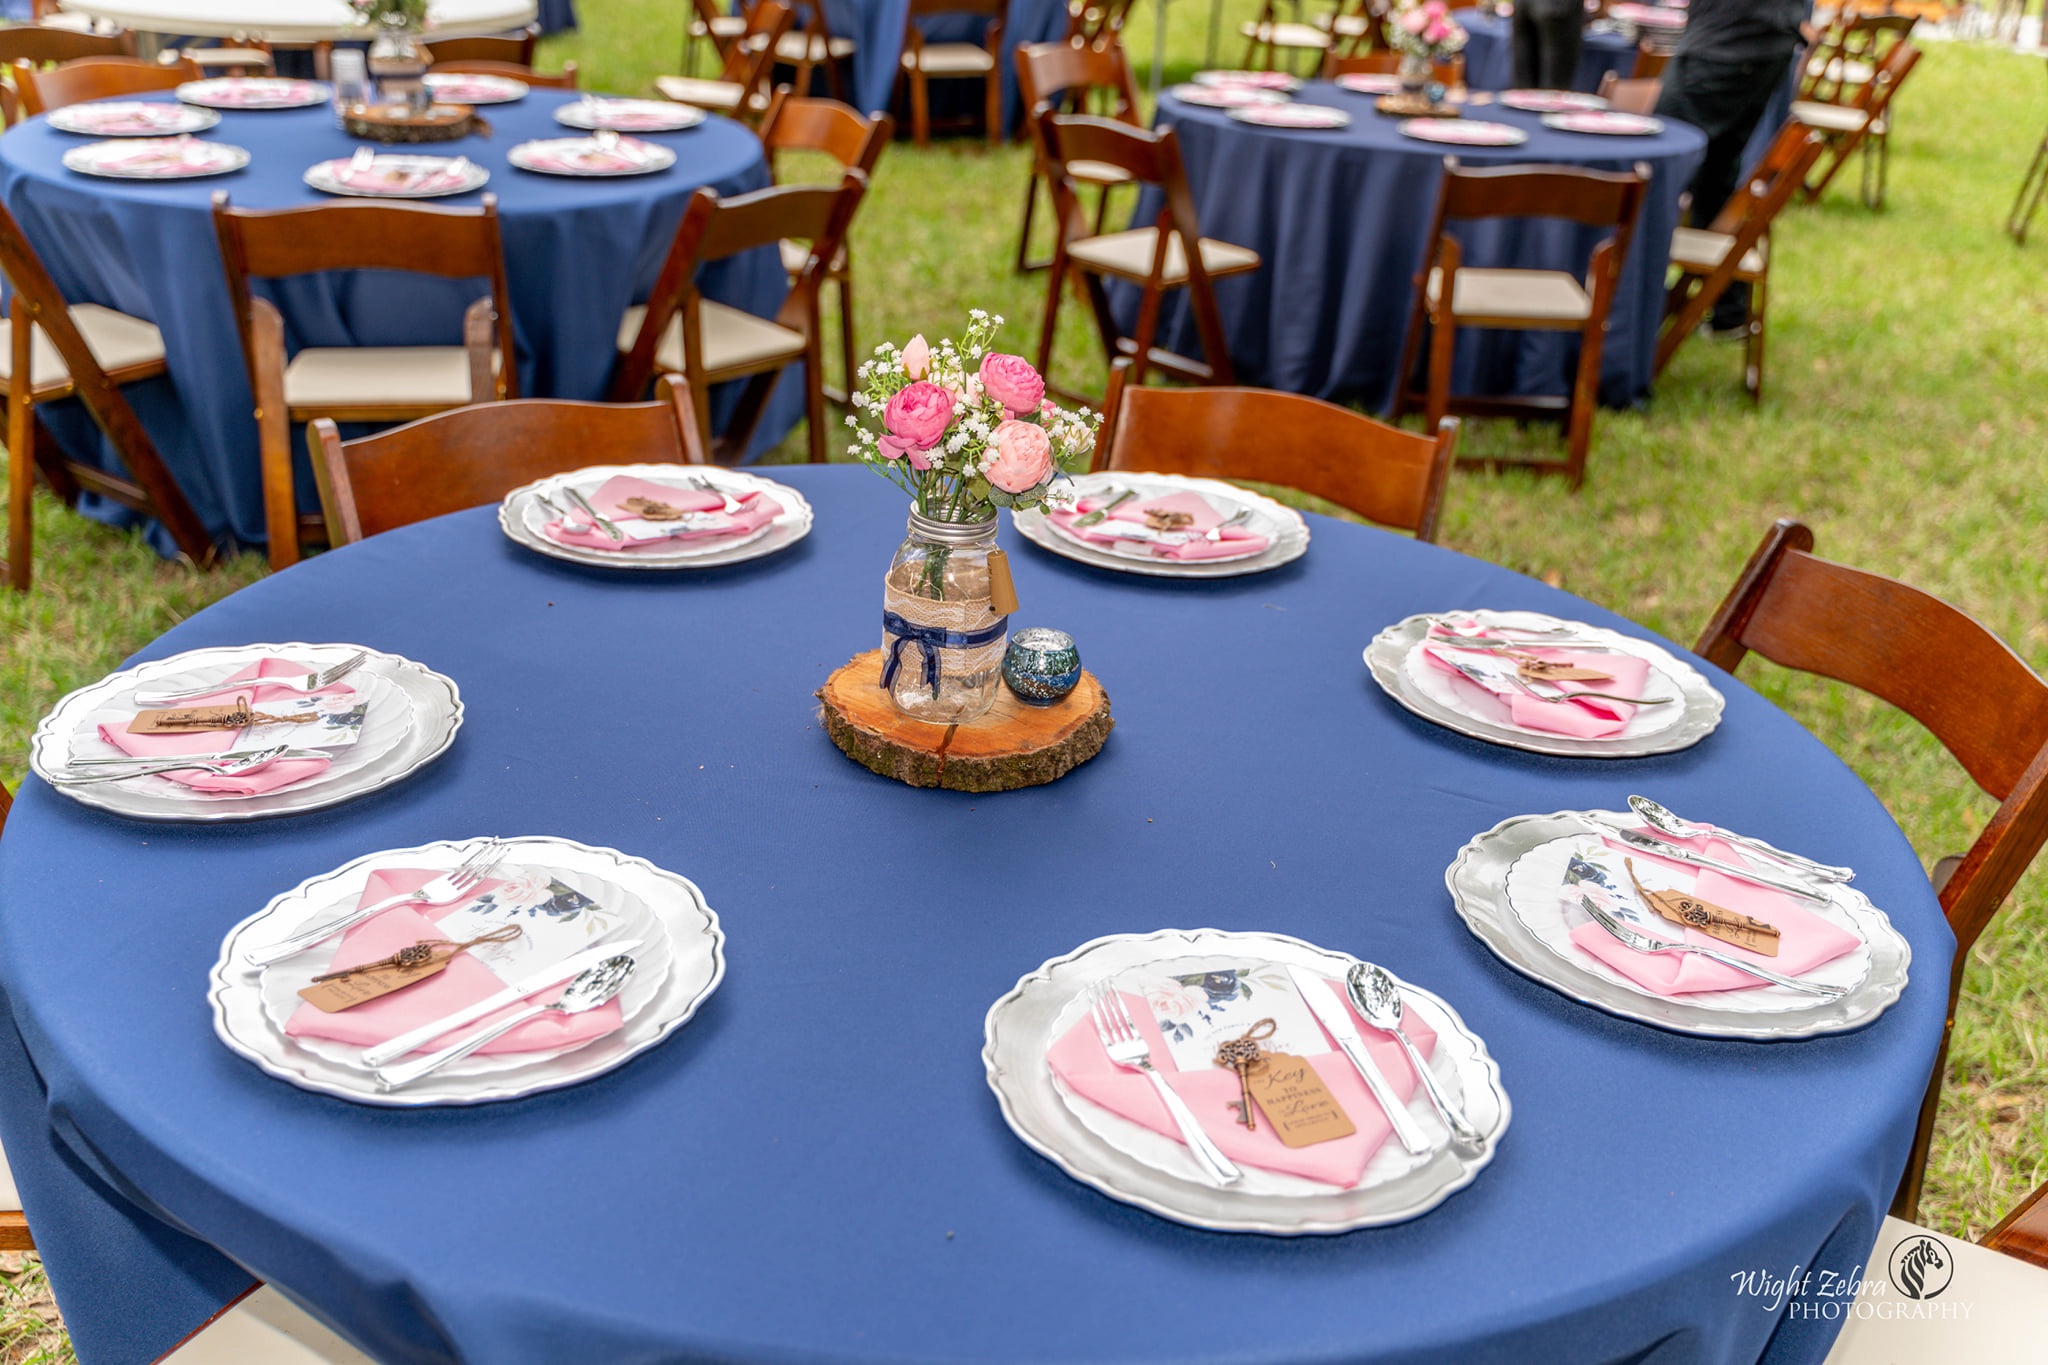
(1315, 993)
(526, 985)
(570, 492)
(1678, 853)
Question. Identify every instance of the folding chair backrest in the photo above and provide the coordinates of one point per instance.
(1649, 63)
(808, 123)
(565, 79)
(1773, 181)
(474, 456)
(1594, 198)
(95, 78)
(748, 61)
(1387, 475)
(1630, 96)
(48, 46)
(807, 213)
(991, 9)
(492, 48)
(1097, 23)
(1891, 74)
(1066, 75)
(1865, 39)
(1148, 155)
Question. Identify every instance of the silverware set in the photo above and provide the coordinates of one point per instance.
(445, 889)
(1128, 1049)
(218, 765)
(1482, 677)
(1646, 943)
(310, 683)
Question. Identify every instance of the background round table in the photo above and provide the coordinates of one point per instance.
(1341, 219)
(814, 1168)
(876, 27)
(290, 21)
(577, 252)
(1490, 53)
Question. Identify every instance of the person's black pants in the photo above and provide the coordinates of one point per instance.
(1724, 100)
(1547, 47)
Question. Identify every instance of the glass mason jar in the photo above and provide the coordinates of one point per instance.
(397, 65)
(942, 641)
(1416, 71)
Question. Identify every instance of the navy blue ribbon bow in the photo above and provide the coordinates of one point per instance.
(930, 640)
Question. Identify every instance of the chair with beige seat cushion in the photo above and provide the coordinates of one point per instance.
(1074, 76)
(1853, 116)
(82, 351)
(924, 62)
(1520, 300)
(707, 20)
(1356, 27)
(740, 89)
(1849, 54)
(811, 44)
(367, 383)
(1737, 247)
(677, 331)
(1269, 36)
(1154, 258)
(1448, 72)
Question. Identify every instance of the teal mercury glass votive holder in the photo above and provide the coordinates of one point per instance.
(1041, 666)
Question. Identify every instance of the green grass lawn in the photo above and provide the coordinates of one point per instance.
(1906, 420)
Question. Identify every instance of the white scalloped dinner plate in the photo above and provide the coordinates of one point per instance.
(521, 516)
(1285, 531)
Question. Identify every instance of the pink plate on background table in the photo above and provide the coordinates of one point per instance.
(456, 87)
(1648, 16)
(1292, 116)
(1371, 82)
(1605, 122)
(131, 118)
(254, 92)
(1464, 132)
(1257, 80)
(604, 153)
(161, 158)
(1550, 101)
(629, 116)
(1226, 96)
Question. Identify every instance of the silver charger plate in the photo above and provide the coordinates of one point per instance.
(521, 516)
(1285, 531)
(527, 156)
(265, 92)
(323, 177)
(1387, 658)
(87, 119)
(104, 159)
(696, 941)
(1478, 881)
(1115, 1157)
(427, 713)
(629, 116)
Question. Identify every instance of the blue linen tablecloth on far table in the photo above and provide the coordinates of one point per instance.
(1340, 220)
(1490, 53)
(814, 1167)
(577, 252)
(876, 26)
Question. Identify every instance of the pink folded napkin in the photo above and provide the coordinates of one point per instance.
(457, 91)
(165, 156)
(632, 119)
(591, 159)
(1587, 718)
(1235, 541)
(1079, 1060)
(1805, 941)
(464, 982)
(256, 781)
(757, 510)
(250, 91)
(386, 180)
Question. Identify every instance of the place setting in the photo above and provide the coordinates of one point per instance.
(1528, 680)
(246, 732)
(396, 175)
(455, 87)
(1604, 123)
(655, 516)
(1168, 525)
(1550, 101)
(1306, 116)
(1227, 96)
(602, 153)
(1463, 132)
(628, 115)
(156, 158)
(1681, 924)
(466, 971)
(132, 118)
(255, 92)
(1245, 1082)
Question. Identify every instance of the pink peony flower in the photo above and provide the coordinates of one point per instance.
(916, 418)
(917, 357)
(1010, 381)
(1023, 457)
(1436, 32)
(1414, 20)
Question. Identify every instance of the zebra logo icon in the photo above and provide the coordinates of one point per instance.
(1921, 1267)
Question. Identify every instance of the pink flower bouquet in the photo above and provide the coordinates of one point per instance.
(1424, 28)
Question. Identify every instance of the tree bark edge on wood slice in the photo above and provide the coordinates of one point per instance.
(1013, 745)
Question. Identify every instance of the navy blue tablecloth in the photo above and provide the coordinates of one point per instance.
(814, 1168)
(1340, 220)
(877, 27)
(577, 252)
(1490, 54)
(557, 16)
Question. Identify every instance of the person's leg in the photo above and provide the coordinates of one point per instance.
(1562, 38)
(1724, 100)
(1527, 49)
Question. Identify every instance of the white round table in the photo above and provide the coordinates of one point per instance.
(292, 21)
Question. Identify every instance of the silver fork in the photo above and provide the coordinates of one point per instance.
(1128, 1049)
(449, 886)
(1530, 688)
(1644, 943)
(1242, 515)
(570, 492)
(1101, 513)
(220, 765)
(312, 682)
(702, 484)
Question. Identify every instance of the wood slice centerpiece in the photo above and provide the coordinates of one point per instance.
(1404, 105)
(1013, 745)
(401, 123)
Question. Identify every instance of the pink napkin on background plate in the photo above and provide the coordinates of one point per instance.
(594, 160)
(268, 778)
(1236, 540)
(464, 982)
(385, 181)
(1590, 718)
(758, 510)
(1079, 1060)
(1806, 940)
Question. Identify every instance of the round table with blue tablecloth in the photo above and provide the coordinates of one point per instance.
(577, 252)
(876, 26)
(1340, 220)
(1490, 54)
(813, 1168)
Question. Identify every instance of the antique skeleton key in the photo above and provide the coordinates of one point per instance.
(1243, 1056)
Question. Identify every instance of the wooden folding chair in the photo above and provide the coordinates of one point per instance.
(1449, 295)
(518, 49)
(1849, 54)
(253, 59)
(1944, 670)
(1389, 476)
(1154, 258)
(54, 46)
(1074, 76)
(1267, 36)
(1736, 247)
(1631, 96)
(474, 456)
(2032, 190)
(1356, 27)
(565, 79)
(95, 78)
(51, 351)
(1447, 73)
(802, 123)
(707, 20)
(740, 87)
(1096, 23)
(677, 331)
(2024, 1232)
(360, 383)
(1860, 118)
(1649, 63)
(810, 44)
(923, 62)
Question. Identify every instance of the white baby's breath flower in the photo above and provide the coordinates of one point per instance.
(859, 400)
(852, 421)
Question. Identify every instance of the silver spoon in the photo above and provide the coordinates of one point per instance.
(230, 768)
(585, 991)
(1662, 819)
(1378, 999)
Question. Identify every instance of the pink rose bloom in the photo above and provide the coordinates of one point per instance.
(1010, 381)
(1023, 457)
(916, 418)
(917, 357)
(1436, 32)
(1414, 21)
